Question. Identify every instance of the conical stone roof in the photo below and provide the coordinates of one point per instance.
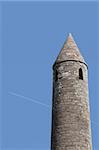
(70, 51)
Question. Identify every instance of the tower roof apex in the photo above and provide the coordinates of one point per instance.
(70, 51)
(70, 34)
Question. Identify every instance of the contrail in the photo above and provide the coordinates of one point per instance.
(95, 123)
(29, 99)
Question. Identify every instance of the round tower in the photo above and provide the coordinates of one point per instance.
(70, 111)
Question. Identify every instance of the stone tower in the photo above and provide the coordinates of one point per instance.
(70, 112)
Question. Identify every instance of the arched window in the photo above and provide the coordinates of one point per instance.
(56, 75)
(80, 74)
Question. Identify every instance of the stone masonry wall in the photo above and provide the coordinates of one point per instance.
(70, 112)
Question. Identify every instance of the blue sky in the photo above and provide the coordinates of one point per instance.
(32, 35)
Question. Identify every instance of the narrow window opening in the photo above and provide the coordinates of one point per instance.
(56, 75)
(80, 74)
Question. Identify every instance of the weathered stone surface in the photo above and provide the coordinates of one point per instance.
(70, 112)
